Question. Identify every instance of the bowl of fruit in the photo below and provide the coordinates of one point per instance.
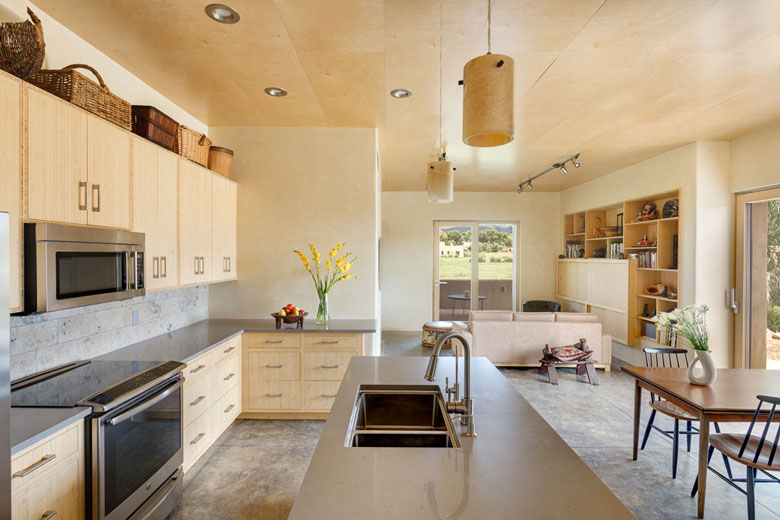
(289, 314)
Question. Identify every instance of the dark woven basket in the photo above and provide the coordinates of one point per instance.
(21, 46)
(151, 124)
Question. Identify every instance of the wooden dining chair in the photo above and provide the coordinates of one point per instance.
(666, 357)
(757, 453)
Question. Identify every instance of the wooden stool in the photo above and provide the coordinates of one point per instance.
(433, 330)
(583, 367)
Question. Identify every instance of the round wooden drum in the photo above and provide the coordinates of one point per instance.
(433, 330)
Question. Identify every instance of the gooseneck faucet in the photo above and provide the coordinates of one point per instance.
(464, 407)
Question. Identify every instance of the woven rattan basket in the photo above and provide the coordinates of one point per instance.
(194, 145)
(220, 160)
(72, 86)
(21, 46)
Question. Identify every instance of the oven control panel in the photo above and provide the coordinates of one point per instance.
(139, 270)
(127, 388)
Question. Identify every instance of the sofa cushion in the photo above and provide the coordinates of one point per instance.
(533, 316)
(576, 316)
(490, 316)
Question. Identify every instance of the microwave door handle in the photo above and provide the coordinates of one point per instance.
(140, 407)
(132, 269)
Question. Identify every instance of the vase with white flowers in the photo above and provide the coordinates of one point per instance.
(691, 323)
(335, 269)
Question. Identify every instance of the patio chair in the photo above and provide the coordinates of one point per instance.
(541, 306)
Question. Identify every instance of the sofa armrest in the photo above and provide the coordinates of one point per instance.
(606, 349)
(463, 328)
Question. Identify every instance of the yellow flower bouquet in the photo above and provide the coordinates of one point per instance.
(335, 269)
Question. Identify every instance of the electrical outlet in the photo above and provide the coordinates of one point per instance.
(136, 318)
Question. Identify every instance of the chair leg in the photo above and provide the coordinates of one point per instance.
(649, 427)
(675, 447)
(688, 428)
(751, 493)
(695, 489)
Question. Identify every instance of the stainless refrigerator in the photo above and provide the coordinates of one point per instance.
(5, 367)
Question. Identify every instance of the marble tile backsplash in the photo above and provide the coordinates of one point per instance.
(45, 340)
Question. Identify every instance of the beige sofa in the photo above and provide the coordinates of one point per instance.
(517, 338)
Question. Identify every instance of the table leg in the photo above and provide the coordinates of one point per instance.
(704, 443)
(637, 410)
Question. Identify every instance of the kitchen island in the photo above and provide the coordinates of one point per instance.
(516, 467)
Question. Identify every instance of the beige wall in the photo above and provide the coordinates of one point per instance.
(407, 246)
(755, 162)
(63, 47)
(296, 186)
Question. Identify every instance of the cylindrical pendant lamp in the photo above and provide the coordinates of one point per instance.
(488, 100)
(440, 181)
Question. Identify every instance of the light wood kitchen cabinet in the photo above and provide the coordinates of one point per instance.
(56, 160)
(10, 177)
(224, 229)
(108, 174)
(155, 211)
(195, 224)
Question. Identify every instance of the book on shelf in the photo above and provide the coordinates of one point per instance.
(648, 260)
(575, 250)
(615, 250)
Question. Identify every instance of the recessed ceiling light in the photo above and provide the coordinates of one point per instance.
(276, 91)
(401, 93)
(222, 13)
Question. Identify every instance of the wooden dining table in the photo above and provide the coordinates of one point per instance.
(731, 398)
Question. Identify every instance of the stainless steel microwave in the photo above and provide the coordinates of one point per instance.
(69, 266)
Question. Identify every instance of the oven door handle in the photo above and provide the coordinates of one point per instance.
(169, 486)
(143, 405)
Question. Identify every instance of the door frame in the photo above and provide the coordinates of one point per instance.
(742, 275)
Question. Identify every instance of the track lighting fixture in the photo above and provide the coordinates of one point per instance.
(574, 160)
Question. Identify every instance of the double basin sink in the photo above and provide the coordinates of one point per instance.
(400, 416)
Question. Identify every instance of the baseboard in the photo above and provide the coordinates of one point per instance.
(285, 415)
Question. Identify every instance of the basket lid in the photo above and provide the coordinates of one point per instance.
(220, 149)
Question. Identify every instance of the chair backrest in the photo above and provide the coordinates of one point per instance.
(774, 401)
(541, 306)
(665, 357)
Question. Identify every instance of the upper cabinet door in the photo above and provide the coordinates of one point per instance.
(189, 222)
(10, 174)
(145, 206)
(205, 227)
(219, 212)
(57, 160)
(108, 149)
(167, 245)
(231, 230)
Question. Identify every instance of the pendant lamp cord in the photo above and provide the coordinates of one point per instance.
(490, 2)
(441, 81)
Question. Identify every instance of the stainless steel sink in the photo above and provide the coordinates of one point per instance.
(400, 416)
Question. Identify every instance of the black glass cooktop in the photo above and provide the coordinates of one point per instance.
(67, 388)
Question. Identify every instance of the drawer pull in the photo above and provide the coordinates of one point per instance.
(229, 376)
(196, 370)
(29, 469)
(274, 395)
(275, 341)
(229, 408)
(336, 342)
(329, 396)
(197, 439)
(329, 366)
(198, 400)
(274, 366)
(48, 514)
(228, 351)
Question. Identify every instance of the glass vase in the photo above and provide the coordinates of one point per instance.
(323, 313)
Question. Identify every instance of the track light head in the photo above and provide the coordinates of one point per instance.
(520, 189)
(530, 186)
(564, 171)
(577, 161)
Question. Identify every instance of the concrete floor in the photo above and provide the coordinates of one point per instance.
(255, 468)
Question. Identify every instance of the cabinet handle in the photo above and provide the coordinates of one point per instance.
(197, 439)
(275, 341)
(274, 395)
(229, 377)
(329, 396)
(48, 514)
(163, 267)
(228, 351)
(230, 264)
(226, 410)
(83, 185)
(96, 190)
(274, 366)
(196, 370)
(198, 400)
(329, 366)
(330, 342)
(224, 264)
(196, 265)
(29, 469)
(156, 267)
(202, 265)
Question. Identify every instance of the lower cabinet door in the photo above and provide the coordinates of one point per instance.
(319, 395)
(274, 395)
(56, 495)
(227, 409)
(197, 437)
(197, 399)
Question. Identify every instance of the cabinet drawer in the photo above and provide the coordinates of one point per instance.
(325, 366)
(331, 340)
(273, 366)
(57, 492)
(228, 348)
(227, 409)
(274, 395)
(274, 340)
(227, 374)
(45, 457)
(197, 399)
(319, 395)
(198, 368)
(197, 437)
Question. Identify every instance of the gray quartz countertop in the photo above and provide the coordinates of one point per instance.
(30, 425)
(516, 467)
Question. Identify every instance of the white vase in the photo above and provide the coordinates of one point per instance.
(708, 371)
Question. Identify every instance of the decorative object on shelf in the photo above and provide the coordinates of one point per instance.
(582, 227)
(644, 242)
(645, 312)
(151, 124)
(649, 212)
(675, 241)
(671, 295)
(70, 85)
(600, 253)
(671, 208)
(488, 97)
(619, 218)
(598, 231)
(288, 318)
(22, 48)
(610, 231)
(336, 269)
(691, 323)
(652, 290)
(220, 160)
(574, 160)
(662, 289)
(194, 145)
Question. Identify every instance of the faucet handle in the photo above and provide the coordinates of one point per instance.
(449, 389)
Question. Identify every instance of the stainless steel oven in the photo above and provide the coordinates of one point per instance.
(70, 266)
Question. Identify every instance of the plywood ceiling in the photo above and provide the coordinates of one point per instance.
(616, 80)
